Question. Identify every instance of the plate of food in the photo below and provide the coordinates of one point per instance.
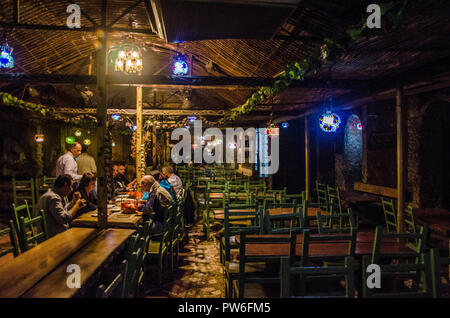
(128, 208)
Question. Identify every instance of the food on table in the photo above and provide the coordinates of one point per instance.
(129, 207)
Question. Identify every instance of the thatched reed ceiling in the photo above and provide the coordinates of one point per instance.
(421, 38)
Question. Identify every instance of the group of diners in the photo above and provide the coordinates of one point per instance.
(70, 196)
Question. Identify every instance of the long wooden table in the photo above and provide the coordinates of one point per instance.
(219, 213)
(117, 219)
(91, 259)
(24, 271)
(364, 246)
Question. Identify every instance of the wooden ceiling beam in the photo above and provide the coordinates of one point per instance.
(191, 81)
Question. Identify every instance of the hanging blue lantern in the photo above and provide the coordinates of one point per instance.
(329, 122)
(115, 117)
(192, 119)
(134, 128)
(285, 125)
(6, 57)
(180, 66)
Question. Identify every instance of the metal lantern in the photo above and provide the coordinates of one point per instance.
(329, 122)
(87, 142)
(273, 130)
(129, 59)
(6, 57)
(39, 138)
(180, 66)
(70, 140)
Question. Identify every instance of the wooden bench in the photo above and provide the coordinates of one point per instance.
(370, 193)
(375, 189)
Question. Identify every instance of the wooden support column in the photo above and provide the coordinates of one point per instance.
(167, 157)
(306, 159)
(154, 146)
(101, 123)
(139, 150)
(401, 157)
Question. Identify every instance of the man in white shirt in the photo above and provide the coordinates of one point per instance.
(173, 179)
(86, 162)
(66, 164)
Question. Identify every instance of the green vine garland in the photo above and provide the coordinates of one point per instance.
(327, 53)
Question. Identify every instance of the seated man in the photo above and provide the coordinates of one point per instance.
(173, 179)
(164, 183)
(159, 200)
(58, 212)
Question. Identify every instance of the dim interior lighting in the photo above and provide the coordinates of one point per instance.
(285, 125)
(180, 66)
(329, 122)
(6, 57)
(39, 138)
(129, 59)
(78, 133)
(115, 117)
(87, 142)
(70, 140)
(359, 126)
(192, 118)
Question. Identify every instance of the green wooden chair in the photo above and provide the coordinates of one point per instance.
(294, 196)
(234, 226)
(19, 211)
(337, 258)
(24, 190)
(38, 234)
(310, 221)
(437, 262)
(159, 245)
(248, 276)
(412, 264)
(321, 192)
(333, 194)
(135, 271)
(251, 221)
(289, 272)
(11, 231)
(390, 215)
(336, 223)
(177, 232)
(277, 224)
(117, 287)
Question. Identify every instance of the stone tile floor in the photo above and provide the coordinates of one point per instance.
(200, 273)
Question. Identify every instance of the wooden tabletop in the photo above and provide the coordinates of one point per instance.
(21, 273)
(219, 213)
(219, 195)
(117, 219)
(362, 236)
(322, 249)
(91, 258)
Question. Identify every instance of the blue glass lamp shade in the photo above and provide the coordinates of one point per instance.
(6, 57)
(329, 122)
(180, 66)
